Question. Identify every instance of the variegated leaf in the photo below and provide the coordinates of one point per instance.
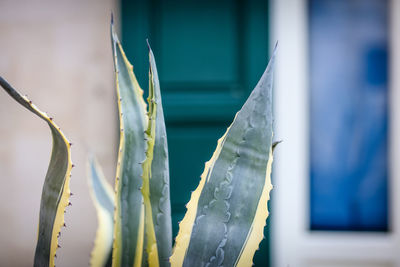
(103, 198)
(226, 214)
(156, 178)
(129, 230)
(56, 192)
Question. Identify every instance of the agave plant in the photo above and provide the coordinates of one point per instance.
(226, 214)
(56, 192)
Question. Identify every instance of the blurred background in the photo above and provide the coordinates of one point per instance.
(336, 109)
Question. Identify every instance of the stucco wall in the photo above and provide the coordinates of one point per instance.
(58, 53)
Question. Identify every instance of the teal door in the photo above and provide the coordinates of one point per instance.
(210, 55)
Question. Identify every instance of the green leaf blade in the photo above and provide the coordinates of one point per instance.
(103, 198)
(229, 208)
(159, 181)
(129, 214)
(55, 192)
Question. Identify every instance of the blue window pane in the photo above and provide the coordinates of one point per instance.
(348, 115)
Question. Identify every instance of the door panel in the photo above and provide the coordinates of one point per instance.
(198, 45)
(210, 55)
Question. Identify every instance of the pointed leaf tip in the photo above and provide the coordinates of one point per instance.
(276, 45)
(272, 59)
(148, 44)
(114, 36)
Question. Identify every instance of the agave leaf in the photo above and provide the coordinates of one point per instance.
(156, 178)
(129, 213)
(103, 198)
(56, 192)
(226, 214)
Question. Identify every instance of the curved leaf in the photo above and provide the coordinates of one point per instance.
(226, 214)
(103, 198)
(56, 192)
(129, 213)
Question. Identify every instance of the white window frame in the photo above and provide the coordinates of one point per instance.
(292, 243)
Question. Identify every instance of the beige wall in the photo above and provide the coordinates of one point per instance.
(58, 53)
